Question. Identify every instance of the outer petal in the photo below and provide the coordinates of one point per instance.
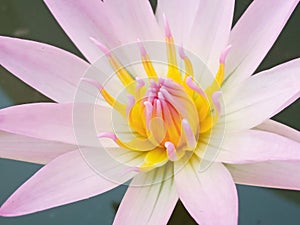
(280, 129)
(274, 174)
(263, 20)
(209, 196)
(50, 121)
(201, 26)
(28, 149)
(52, 71)
(257, 146)
(152, 203)
(114, 22)
(262, 96)
(66, 179)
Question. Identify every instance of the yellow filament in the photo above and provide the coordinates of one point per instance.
(220, 75)
(173, 71)
(121, 108)
(189, 71)
(122, 73)
(148, 67)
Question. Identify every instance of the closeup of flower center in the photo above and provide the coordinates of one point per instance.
(168, 115)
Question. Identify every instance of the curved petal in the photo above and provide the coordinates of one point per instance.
(210, 196)
(203, 27)
(29, 149)
(257, 146)
(273, 174)
(66, 179)
(264, 20)
(280, 129)
(114, 22)
(151, 203)
(262, 96)
(50, 121)
(52, 71)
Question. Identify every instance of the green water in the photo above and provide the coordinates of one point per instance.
(31, 20)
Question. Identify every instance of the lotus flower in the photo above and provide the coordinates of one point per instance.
(188, 135)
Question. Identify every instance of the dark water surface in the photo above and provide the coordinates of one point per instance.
(31, 20)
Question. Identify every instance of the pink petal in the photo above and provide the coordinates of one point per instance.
(52, 71)
(203, 27)
(262, 96)
(280, 129)
(28, 149)
(258, 146)
(263, 20)
(210, 196)
(113, 22)
(66, 179)
(52, 121)
(273, 174)
(148, 202)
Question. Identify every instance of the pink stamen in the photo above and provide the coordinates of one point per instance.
(189, 134)
(101, 46)
(189, 81)
(140, 83)
(148, 112)
(109, 135)
(92, 82)
(158, 108)
(224, 54)
(142, 48)
(181, 52)
(171, 151)
(167, 27)
(131, 102)
(215, 98)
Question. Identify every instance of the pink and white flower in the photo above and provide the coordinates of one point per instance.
(180, 119)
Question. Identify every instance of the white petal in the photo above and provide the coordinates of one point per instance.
(146, 201)
(114, 22)
(29, 149)
(262, 96)
(210, 196)
(54, 122)
(66, 179)
(258, 146)
(203, 27)
(52, 71)
(273, 174)
(280, 129)
(253, 36)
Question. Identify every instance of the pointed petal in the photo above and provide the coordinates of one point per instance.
(49, 121)
(273, 174)
(262, 96)
(280, 129)
(258, 146)
(210, 31)
(66, 179)
(151, 203)
(29, 149)
(210, 196)
(264, 20)
(113, 22)
(52, 71)
(203, 27)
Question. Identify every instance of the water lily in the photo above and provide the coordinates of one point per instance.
(193, 136)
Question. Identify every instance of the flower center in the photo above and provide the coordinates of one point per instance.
(167, 115)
